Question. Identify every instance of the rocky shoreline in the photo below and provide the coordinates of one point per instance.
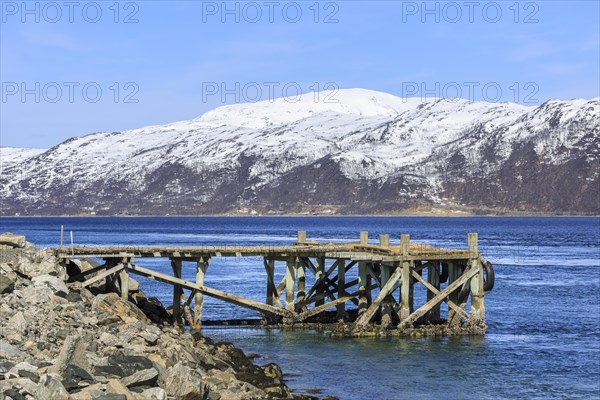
(59, 340)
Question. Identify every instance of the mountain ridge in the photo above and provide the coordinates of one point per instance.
(368, 153)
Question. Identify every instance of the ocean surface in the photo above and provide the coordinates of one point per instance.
(543, 314)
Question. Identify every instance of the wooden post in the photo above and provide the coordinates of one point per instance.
(124, 282)
(290, 277)
(363, 284)
(364, 237)
(201, 268)
(72, 244)
(320, 271)
(386, 307)
(406, 281)
(341, 307)
(433, 277)
(477, 304)
(270, 266)
(301, 236)
(301, 282)
(384, 240)
(363, 301)
(453, 273)
(177, 291)
(62, 235)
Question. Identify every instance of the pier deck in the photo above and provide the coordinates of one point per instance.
(454, 277)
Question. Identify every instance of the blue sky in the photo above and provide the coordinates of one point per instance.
(157, 62)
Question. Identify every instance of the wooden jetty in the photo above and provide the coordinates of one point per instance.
(383, 290)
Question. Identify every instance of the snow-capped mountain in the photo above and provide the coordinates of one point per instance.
(351, 151)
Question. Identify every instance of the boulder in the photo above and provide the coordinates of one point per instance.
(50, 388)
(7, 285)
(15, 327)
(120, 365)
(30, 262)
(8, 350)
(145, 377)
(12, 240)
(184, 382)
(155, 393)
(111, 303)
(57, 285)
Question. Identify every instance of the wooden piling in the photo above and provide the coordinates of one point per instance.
(405, 305)
(177, 291)
(386, 306)
(433, 277)
(341, 283)
(124, 283)
(290, 277)
(477, 304)
(271, 289)
(301, 268)
(301, 236)
(363, 284)
(320, 270)
(201, 268)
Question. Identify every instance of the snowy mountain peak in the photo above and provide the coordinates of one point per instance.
(360, 102)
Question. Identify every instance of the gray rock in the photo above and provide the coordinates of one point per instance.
(8, 350)
(57, 285)
(50, 388)
(7, 285)
(155, 393)
(12, 240)
(123, 309)
(182, 381)
(15, 327)
(146, 377)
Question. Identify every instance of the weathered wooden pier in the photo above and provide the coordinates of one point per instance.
(383, 290)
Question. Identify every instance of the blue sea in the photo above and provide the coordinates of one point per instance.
(543, 314)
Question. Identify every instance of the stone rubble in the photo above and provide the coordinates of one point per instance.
(62, 341)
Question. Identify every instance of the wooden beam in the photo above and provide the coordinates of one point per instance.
(364, 319)
(318, 297)
(103, 275)
(477, 295)
(438, 298)
(319, 282)
(386, 305)
(435, 291)
(301, 236)
(218, 294)
(319, 273)
(273, 295)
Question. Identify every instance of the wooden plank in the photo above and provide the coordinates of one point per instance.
(227, 297)
(103, 275)
(272, 292)
(438, 298)
(385, 290)
(319, 282)
(317, 297)
(435, 291)
(433, 276)
(319, 273)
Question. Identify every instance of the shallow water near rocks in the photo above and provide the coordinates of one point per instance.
(543, 314)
